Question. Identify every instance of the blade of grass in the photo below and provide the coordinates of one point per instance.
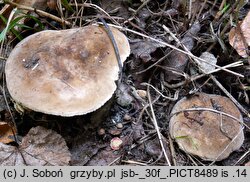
(4, 32)
(14, 23)
(65, 3)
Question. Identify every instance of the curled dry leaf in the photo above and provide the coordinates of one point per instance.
(239, 37)
(177, 61)
(6, 132)
(143, 48)
(40, 147)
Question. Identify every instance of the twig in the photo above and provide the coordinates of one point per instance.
(157, 129)
(152, 65)
(134, 162)
(114, 161)
(39, 12)
(171, 46)
(176, 95)
(231, 142)
(197, 59)
(230, 96)
(247, 153)
(172, 149)
(210, 110)
(90, 5)
(140, 7)
(189, 79)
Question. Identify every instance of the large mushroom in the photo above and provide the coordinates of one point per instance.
(206, 125)
(67, 72)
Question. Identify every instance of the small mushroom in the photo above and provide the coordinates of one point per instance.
(203, 125)
(67, 72)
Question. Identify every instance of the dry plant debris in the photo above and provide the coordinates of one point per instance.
(203, 125)
(239, 37)
(38, 4)
(64, 72)
(40, 147)
(143, 48)
(6, 132)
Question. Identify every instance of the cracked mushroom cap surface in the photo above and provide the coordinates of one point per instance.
(209, 135)
(67, 72)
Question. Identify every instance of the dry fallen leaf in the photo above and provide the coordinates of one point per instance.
(143, 48)
(84, 148)
(6, 132)
(40, 147)
(239, 37)
(177, 61)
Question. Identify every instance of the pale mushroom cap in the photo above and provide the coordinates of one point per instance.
(68, 72)
(209, 135)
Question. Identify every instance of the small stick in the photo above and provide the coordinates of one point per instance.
(172, 149)
(232, 141)
(247, 153)
(230, 96)
(135, 162)
(157, 129)
(176, 95)
(141, 6)
(196, 59)
(90, 5)
(39, 12)
(210, 110)
(173, 47)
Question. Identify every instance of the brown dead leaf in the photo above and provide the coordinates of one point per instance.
(153, 148)
(40, 147)
(6, 132)
(143, 48)
(84, 148)
(239, 37)
(177, 61)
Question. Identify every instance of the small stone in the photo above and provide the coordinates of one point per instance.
(123, 98)
(119, 125)
(127, 117)
(115, 132)
(101, 132)
(115, 143)
(209, 58)
(142, 93)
